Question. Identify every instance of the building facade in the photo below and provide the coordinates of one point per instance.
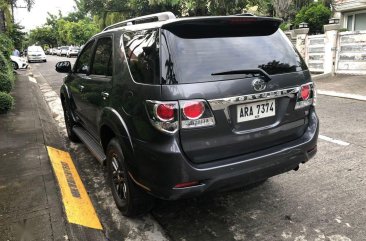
(352, 14)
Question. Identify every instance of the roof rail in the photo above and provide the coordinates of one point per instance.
(156, 17)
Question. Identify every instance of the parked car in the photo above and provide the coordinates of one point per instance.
(51, 51)
(58, 51)
(180, 107)
(18, 62)
(63, 51)
(72, 51)
(36, 53)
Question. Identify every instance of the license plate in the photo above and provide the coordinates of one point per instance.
(256, 110)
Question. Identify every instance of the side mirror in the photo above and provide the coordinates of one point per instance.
(63, 67)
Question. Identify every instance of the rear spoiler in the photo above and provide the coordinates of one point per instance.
(228, 26)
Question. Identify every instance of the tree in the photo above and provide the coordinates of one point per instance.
(282, 8)
(43, 36)
(80, 32)
(316, 15)
(17, 35)
(7, 12)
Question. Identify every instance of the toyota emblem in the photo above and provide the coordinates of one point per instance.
(259, 84)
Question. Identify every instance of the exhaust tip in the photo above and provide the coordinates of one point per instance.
(296, 168)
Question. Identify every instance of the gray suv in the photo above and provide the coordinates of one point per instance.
(181, 107)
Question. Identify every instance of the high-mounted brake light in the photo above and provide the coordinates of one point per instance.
(242, 20)
(306, 96)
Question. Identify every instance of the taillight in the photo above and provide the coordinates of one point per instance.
(163, 115)
(166, 115)
(306, 96)
(195, 114)
(165, 112)
(193, 110)
(305, 92)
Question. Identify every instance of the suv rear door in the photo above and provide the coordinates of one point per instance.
(221, 60)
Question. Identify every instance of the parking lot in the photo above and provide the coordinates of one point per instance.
(324, 200)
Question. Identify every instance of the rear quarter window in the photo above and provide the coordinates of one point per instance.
(142, 54)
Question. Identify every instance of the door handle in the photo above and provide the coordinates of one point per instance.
(81, 88)
(105, 95)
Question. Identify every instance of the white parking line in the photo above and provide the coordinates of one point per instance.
(31, 79)
(335, 141)
(342, 95)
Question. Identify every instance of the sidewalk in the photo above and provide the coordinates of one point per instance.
(30, 207)
(345, 86)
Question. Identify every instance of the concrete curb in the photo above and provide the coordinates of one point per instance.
(321, 76)
(341, 95)
(52, 137)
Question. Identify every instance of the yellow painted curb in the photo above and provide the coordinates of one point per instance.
(78, 206)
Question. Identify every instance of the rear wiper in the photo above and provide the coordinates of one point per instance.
(253, 72)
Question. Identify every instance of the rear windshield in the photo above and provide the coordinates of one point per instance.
(193, 60)
(35, 49)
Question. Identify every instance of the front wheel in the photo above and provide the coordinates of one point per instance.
(15, 65)
(130, 199)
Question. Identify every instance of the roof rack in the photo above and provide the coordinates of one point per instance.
(143, 19)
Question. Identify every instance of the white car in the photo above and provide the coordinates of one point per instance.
(36, 53)
(72, 51)
(63, 51)
(57, 51)
(18, 62)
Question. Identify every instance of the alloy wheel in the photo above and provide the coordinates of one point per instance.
(118, 178)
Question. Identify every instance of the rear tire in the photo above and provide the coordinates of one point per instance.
(69, 123)
(130, 199)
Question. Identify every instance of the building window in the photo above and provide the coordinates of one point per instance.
(360, 21)
(356, 21)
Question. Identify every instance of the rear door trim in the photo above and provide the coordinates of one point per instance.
(224, 103)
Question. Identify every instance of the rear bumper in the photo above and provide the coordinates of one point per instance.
(159, 168)
(32, 58)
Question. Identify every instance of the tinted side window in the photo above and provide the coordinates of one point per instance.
(142, 53)
(102, 64)
(83, 62)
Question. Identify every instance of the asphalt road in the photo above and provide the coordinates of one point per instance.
(324, 200)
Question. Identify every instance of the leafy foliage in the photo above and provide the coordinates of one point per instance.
(105, 11)
(6, 102)
(62, 31)
(316, 15)
(6, 45)
(16, 34)
(6, 74)
(6, 84)
(43, 36)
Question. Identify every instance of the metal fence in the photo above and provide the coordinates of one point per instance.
(351, 57)
(314, 57)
